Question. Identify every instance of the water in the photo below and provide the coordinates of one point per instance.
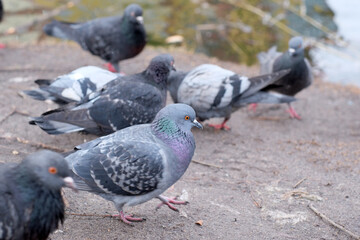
(343, 66)
(227, 31)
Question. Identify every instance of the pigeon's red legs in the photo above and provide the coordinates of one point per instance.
(252, 107)
(221, 126)
(2, 45)
(293, 113)
(167, 201)
(128, 219)
(110, 67)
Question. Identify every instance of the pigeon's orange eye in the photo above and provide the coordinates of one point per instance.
(187, 117)
(52, 170)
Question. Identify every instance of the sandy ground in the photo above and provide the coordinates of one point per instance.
(253, 182)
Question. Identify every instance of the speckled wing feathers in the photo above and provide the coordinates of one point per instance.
(202, 89)
(124, 169)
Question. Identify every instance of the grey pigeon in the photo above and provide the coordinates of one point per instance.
(217, 92)
(72, 87)
(1, 17)
(31, 205)
(300, 76)
(123, 102)
(138, 163)
(111, 38)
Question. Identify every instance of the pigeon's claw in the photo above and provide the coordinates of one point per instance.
(252, 107)
(168, 201)
(293, 113)
(110, 67)
(221, 126)
(128, 219)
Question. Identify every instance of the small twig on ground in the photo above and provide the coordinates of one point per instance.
(299, 182)
(206, 164)
(256, 203)
(14, 111)
(89, 215)
(34, 144)
(331, 222)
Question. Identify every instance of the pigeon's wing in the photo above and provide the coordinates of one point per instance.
(209, 87)
(260, 82)
(128, 103)
(102, 36)
(72, 87)
(81, 82)
(119, 167)
(264, 97)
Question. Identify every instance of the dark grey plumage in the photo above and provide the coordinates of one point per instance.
(1, 10)
(72, 87)
(216, 92)
(138, 163)
(123, 102)
(31, 205)
(300, 75)
(111, 38)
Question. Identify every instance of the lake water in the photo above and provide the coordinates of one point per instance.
(345, 68)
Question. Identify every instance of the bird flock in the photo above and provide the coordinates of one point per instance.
(144, 145)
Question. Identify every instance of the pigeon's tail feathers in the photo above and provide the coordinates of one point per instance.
(39, 94)
(267, 59)
(54, 127)
(265, 97)
(43, 82)
(79, 182)
(61, 30)
(259, 82)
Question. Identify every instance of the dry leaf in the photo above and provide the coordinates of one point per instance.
(200, 222)
(15, 152)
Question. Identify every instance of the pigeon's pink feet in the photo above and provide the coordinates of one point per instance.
(220, 126)
(293, 113)
(252, 107)
(128, 219)
(168, 201)
(2, 45)
(110, 67)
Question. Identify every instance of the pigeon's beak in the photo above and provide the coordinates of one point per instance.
(291, 51)
(197, 124)
(69, 182)
(140, 19)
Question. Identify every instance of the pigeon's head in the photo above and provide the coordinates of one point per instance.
(50, 169)
(160, 67)
(296, 46)
(176, 116)
(134, 13)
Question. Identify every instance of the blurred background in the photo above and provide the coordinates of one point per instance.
(231, 30)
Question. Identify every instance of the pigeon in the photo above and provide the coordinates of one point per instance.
(1, 17)
(217, 92)
(111, 38)
(300, 76)
(31, 205)
(123, 102)
(72, 87)
(138, 163)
